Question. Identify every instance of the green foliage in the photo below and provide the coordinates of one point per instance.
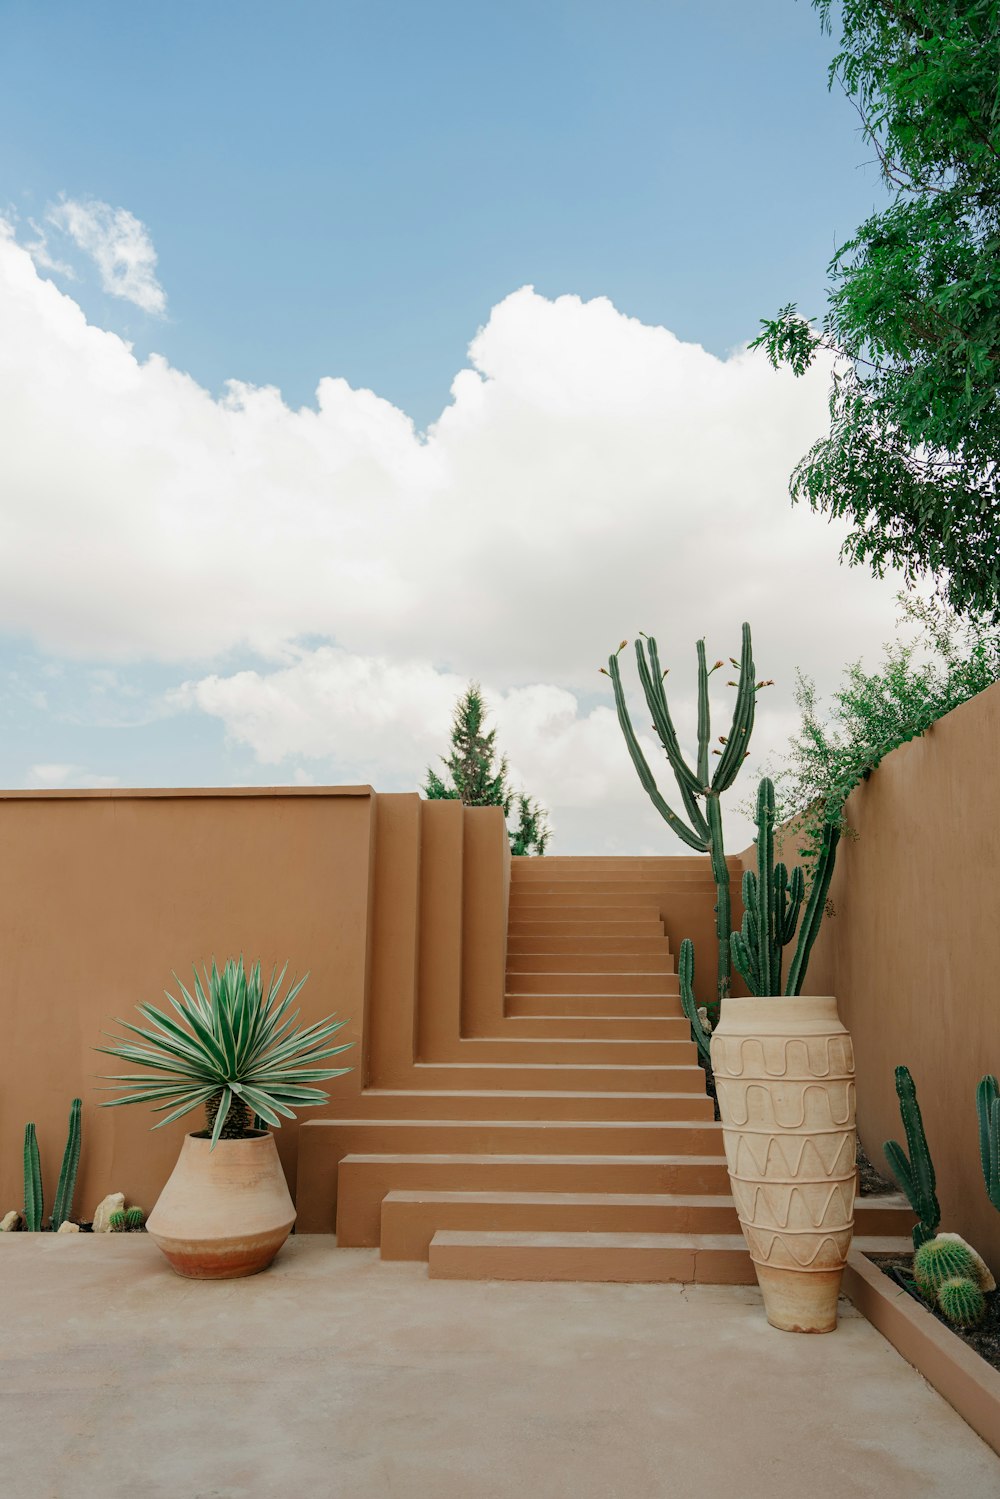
(66, 1187)
(988, 1110)
(34, 1197)
(233, 1048)
(920, 679)
(938, 1260)
(962, 1302)
(913, 317)
(685, 973)
(477, 781)
(696, 784)
(915, 1173)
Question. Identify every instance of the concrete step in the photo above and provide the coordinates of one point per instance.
(527, 981)
(583, 943)
(364, 1180)
(683, 1077)
(706, 1259)
(604, 865)
(617, 963)
(595, 1027)
(593, 926)
(569, 1052)
(609, 885)
(526, 902)
(540, 1104)
(592, 1004)
(334, 1138)
(410, 1219)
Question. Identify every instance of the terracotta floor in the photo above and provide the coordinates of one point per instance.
(335, 1375)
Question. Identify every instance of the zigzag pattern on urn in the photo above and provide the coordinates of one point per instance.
(703, 830)
(772, 900)
(915, 1173)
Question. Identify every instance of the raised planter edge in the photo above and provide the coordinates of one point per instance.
(966, 1381)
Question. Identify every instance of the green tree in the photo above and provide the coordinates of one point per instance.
(912, 457)
(949, 660)
(477, 781)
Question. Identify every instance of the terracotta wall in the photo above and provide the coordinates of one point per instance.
(102, 894)
(913, 951)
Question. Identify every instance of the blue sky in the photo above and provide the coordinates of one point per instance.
(202, 587)
(350, 187)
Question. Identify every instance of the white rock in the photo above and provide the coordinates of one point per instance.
(984, 1274)
(9, 1222)
(68, 1228)
(113, 1203)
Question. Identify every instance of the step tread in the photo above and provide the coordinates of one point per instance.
(544, 1239)
(601, 1199)
(459, 1158)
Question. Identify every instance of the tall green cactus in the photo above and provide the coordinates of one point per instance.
(685, 974)
(772, 900)
(988, 1109)
(771, 903)
(915, 1173)
(63, 1205)
(33, 1196)
(703, 828)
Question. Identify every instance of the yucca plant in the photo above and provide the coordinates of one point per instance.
(233, 1049)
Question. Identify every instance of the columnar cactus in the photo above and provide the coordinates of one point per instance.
(771, 903)
(812, 916)
(915, 1173)
(988, 1109)
(66, 1187)
(685, 974)
(696, 784)
(33, 1195)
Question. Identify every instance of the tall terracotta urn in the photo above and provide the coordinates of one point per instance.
(784, 1076)
(224, 1212)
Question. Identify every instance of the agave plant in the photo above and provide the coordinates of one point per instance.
(233, 1049)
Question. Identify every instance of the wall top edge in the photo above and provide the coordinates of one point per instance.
(155, 793)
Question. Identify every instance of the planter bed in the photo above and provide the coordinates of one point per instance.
(946, 1358)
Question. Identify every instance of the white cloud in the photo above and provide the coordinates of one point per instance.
(591, 477)
(62, 776)
(117, 242)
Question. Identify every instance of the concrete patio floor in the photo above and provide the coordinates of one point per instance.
(333, 1374)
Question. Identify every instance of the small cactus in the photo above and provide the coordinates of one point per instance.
(938, 1260)
(33, 1194)
(988, 1109)
(116, 1222)
(962, 1302)
(685, 974)
(63, 1204)
(135, 1220)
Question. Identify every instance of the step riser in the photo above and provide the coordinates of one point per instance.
(598, 887)
(408, 1227)
(581, 946)
(363, 1184)
(598, 1053)
(595, 1028)
(560, 926)
(592, 1004)
(523, 904)
(592, 983)
(515, 1137)
(568, 1107)
(688, 1077)
(620, 964)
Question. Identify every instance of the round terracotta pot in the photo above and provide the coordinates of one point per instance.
(784, 1077)
(224, 1212)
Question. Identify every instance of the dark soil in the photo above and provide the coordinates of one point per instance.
(870, 1184)
(984, 1339)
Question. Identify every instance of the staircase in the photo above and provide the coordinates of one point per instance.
(571, 1137)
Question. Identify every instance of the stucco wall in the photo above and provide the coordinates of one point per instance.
(103, 894)
(913, 951)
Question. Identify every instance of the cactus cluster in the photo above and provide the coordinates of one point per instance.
(700, 788)
(772, 900)
(127, 1221)
(938, 1260)
(961, 1301)
(34, 1195)
(915, 1173)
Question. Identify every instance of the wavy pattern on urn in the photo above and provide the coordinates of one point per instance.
(784, 1073)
